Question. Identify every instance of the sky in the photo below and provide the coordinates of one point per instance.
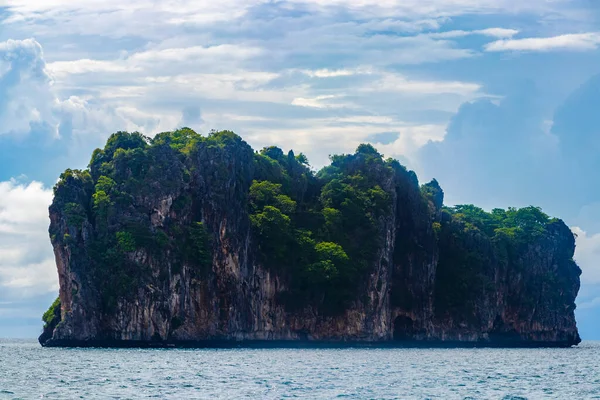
(497, 99)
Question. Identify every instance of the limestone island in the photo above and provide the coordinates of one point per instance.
(192, 240)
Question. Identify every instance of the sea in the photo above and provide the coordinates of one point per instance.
(28, 371)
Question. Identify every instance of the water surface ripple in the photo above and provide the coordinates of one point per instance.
(28, 371)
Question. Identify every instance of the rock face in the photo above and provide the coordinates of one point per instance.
(128, 238)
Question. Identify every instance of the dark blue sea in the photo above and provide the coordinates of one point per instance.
(28, 371)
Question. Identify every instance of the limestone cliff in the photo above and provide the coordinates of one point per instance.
(184, 239)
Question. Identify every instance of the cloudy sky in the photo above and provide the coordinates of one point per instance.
(497, 99)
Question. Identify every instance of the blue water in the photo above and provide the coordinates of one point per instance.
(28, 371)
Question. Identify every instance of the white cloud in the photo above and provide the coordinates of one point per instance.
(182, 11)
(194, 53)
(113, 18)
(241, 79)
(575, 41)
(322, 101)
(29, 101)
(587, 255)
(245, 86)
(25, 87)
(84, 66)
(153, 61)
(27, 265)
(337, 135)
(434, 7)
(332, 137)
(491, 32)
(410, 139)
(328, 73)
(497, 32)
(398, 83)
(19, 206)
(366, 119)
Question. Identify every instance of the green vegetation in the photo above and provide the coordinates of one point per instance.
(126, 242)
(200, 249)
(170, 201)
(321, 230)
(471, 240)
(75, 214)
(52, 316)
(519, 224)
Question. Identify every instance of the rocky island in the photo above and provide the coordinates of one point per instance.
(192, 240)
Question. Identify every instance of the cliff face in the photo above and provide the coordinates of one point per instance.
(183, 240)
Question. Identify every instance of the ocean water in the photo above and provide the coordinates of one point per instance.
(28, 371)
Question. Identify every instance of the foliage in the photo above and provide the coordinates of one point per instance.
(322, 232)
(102, 204)
(200, 249)
(105, 184)
(52, 315)
(70, 180)
(183, 139)
(75, 214)
(332, 260)
(471, 240)
(264, 193)
(520, 226)
(272, 228)
(126, 242)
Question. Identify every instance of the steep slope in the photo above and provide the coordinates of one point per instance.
(188, 239)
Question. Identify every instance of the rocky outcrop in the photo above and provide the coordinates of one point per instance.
(153, 293)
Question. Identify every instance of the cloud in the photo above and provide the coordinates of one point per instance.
(493, 154)
(193, 53)
(398, 83)
(26, 101)
(497, 32)
(26, 261)
(170, 90)
(410, 139)
(204, 11)
(160, 87)
(383, 137)
(86, 66)
(327, 73)
(191, 117)
(587, 255)
(323, 101)
(492, 32)
(37, 127)
(503, 153)
(574, 42)
(343, 135)
(154, 62)
(163, 90)
(576, 125)
(302, 55)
